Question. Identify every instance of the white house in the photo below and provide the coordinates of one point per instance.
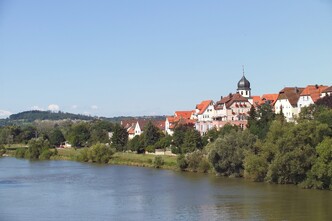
(204, 114)
(287, 102)
(310, 95)
(327, 91)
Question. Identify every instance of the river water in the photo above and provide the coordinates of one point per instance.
(64, 190)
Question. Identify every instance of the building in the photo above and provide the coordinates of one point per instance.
(204, 114)
(326, 92)
(310, 95)
(180, 118)
(135, 127)
(287, 102)
(233, 110)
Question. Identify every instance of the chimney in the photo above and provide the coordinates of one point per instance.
(316, 86)
(296, 90)
(221, 97)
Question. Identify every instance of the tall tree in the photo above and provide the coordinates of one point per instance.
(119, 138)
(79, 134)
(151, 134)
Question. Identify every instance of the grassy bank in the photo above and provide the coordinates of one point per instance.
(120, 158)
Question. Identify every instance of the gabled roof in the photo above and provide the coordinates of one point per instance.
(184, 114)
(313, 91)
(271, 98)
(229, 100)
(292, 94)
(203, 106)
(329, 89)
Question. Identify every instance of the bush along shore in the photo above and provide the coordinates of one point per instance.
(269, 150)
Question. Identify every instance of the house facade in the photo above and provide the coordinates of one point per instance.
(204, 114)
(326, 92)
(233, 110)
(287, 102)
(310, 95)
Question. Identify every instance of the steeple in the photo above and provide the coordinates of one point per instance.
(243, 86)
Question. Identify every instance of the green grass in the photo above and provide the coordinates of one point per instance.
(143, 160)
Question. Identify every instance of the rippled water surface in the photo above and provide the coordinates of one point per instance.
(64, 190)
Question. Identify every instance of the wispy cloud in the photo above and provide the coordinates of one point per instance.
(54, 107)
(4, 113)
(74, 106)
(94, 107)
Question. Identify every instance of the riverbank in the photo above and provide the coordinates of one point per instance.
(122, 158)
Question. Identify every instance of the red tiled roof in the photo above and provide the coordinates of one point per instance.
(291, 93)
(313, 91)
(184, 114)
(203, 106)
(256, 100)
(229, 100)
(272, 98)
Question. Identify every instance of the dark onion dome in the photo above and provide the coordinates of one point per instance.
(243, 84)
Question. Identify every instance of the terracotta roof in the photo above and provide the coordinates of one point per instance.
(272, 98)
(229, 100)
(329, 89)
(203, 106)
(256, 100)
(292, 94)
(184, 114)
(313, 91)
(128, 123)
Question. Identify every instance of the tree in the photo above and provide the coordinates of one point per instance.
(99, 131)
(100, 153)
(136, 144)
(151, 134)
(119, 138)
(192, 141)
(320, 175)
(36, 147)
(79, 134)
(179, 133)
(259, 121)
(226, 154)
(56, 137)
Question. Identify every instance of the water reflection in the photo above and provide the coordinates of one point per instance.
(62, 190)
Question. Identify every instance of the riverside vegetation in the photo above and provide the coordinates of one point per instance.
(270, 150)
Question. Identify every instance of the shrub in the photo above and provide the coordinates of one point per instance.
(158, 161)
(150, 149)
(20, 152)
(2, 150)
(98, 153)
(182, 162)
(46, 154)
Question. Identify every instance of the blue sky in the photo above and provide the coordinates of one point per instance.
(112, 58)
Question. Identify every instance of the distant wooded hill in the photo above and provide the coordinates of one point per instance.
(27, 117)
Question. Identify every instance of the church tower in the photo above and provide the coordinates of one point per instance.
(243, 87)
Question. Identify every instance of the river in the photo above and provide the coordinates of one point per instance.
(65, 190)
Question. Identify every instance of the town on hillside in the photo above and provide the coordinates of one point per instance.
(234, 109)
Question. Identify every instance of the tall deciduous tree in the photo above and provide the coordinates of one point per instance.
(79, 134)
(119, 138)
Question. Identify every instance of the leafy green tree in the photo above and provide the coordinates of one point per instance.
(79, 134)
(151, 134)
(179, 133)
(119, 138)
(136, 144)
(100, 153)
(226, 154)
(56, 137)
(192, 141)
(320, 175)
(259, 121)
(36, 147)
(164, 142)
(99, 130)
